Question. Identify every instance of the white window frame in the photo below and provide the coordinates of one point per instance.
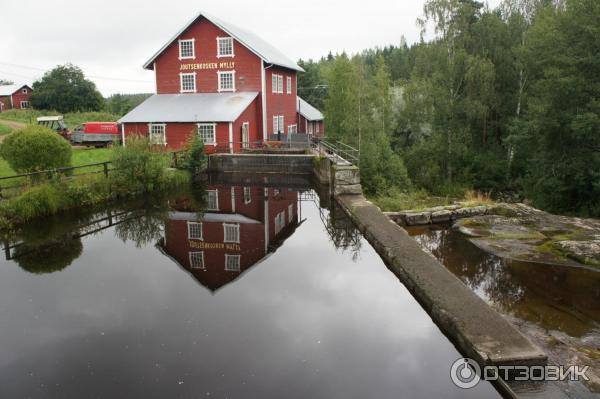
(26, 104)
(289, 85)
(221, 40)
(235, 226)
(247, 195)
(290, 213)
(279, 222)
(192, 233)
(277, 83)
(192, 255)
(151, 133)
(292, 129)
(24, 90)
(274, 84)
(213, 126)
(187, 57)
(220, 77)
(237, 263)
(216, 207)
(189, 90)
(278, 124)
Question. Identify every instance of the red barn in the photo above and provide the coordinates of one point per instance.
(239, 228)
(227, 84)
(14, 97)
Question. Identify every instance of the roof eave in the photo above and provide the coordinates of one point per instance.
(150, 63)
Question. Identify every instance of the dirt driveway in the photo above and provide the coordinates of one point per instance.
(12, 125)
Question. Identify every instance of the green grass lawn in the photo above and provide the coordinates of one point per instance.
(71, 119)
(4, 130)
(80, 157)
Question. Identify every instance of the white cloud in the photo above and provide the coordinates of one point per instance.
(114, 38)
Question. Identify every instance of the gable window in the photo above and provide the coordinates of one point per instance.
(157, 133)
(24, 91)
(187, 82)
(194, 230)
(277, 84)
(232, 263)
(231, 232)
(197, 260)
(207, 133)
(289, 85)
(186, 49)
(24, 104)
(224, 47)
(226, 81)
(247, 195)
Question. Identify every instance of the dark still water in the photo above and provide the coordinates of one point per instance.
(557, 307)
(264, 295)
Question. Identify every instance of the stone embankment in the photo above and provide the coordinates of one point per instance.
(479, 331)
(439, 214)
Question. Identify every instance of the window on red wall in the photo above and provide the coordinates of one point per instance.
(224, 47)
(289, 85)
(186, 49)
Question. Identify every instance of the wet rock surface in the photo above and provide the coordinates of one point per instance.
(520, 232)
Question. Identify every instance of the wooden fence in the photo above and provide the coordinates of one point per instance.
(11, 184)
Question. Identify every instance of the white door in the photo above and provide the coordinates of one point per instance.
(245, 135)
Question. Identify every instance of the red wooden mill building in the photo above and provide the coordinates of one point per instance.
(227, 84)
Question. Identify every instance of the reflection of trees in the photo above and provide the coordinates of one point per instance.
(142, 229)
(48, 257)
(486, 274)
(342, 232)
(554, 297)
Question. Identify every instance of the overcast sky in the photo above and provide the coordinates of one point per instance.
(110, 40)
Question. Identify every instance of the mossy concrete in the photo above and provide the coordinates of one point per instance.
(474, 327)
(523, 233)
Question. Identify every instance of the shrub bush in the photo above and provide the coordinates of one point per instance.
(35, 148)
(194, 159)
(137, 167)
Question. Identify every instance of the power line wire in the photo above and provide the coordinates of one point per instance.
(89, 76)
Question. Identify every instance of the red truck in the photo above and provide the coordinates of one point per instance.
(97, 134)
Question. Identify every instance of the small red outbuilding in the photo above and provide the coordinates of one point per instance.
(14, 97)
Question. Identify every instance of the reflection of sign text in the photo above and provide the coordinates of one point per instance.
(207, 65)
(214, 245)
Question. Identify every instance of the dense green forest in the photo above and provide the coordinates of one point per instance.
(502, 100)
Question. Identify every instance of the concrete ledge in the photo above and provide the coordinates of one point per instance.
(475, 328)
(263, 163)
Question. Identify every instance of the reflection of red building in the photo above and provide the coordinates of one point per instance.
(239, 228)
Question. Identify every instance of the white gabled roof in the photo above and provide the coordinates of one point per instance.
(254, 43)
(308, 111)
(195, 107)
(11, 89)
